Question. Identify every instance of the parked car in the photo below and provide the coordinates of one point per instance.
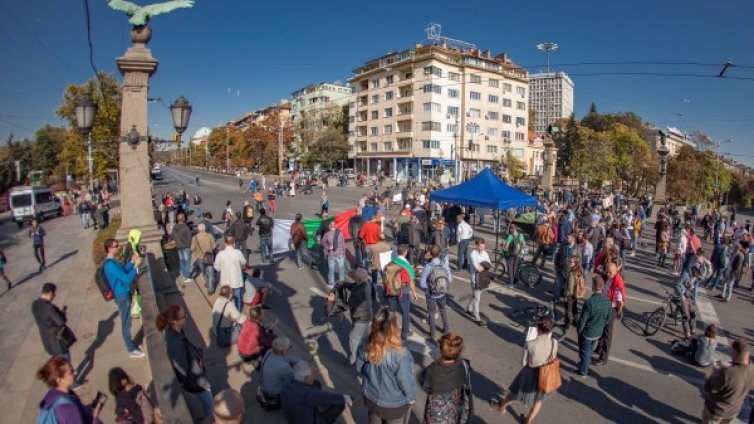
(29, 202)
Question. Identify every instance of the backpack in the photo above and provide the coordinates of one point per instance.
(438, 280)
(249, 212)
(102, 284)
(335, 240)
(47, 415)
(517, 245)
(393, 282)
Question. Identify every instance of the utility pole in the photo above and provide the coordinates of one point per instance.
(227, 154)
(280, 148)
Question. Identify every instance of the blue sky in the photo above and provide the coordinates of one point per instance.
(266, 50)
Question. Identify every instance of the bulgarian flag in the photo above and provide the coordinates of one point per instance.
(281, 234)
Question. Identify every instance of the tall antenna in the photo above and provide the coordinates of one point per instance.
(434, 31)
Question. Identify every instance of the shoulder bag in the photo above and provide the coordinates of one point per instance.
(226, 335)
(549, 373)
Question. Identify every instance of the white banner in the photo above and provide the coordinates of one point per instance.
(281, 236)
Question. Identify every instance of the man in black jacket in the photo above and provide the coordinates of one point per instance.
(359, 302)
(265, 224)
(182, 237)
(239, 229)
(354, 227)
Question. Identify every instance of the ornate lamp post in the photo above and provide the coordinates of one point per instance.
(549, 159)
(662, 151)
(86, 109)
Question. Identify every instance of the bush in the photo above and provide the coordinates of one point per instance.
(98, 246)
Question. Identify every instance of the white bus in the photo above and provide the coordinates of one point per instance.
(28, 202)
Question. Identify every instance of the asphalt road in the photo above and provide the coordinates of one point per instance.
(642, 382)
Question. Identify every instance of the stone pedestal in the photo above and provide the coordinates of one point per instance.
(137, 65)
(548, 172)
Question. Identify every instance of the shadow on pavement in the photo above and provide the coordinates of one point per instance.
(104, 329)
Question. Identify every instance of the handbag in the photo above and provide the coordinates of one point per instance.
(65, 337)
(226, 335)
(209, 258)
(467, 407)
(549, 374)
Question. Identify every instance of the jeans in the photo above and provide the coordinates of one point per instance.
(542, 249)
(208, 271)
(475, 298)
(356, 338)
(586, 347)
(606, 341)
(206, 398)
(435, 304)
(730, 282)
(332, 262)
(184, 255)
(403, 304)
(238, 298)
(714, 281)
(85, 220)
(39, 254)
(375, 273)
(198, 211)
(559, 288)
(512, 263)
(302, 254)
(241, 245)
(463, 253)
(265, 248)
(124, 310)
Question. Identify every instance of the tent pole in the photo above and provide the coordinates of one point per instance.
(497, 233)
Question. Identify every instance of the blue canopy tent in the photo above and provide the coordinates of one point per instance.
(485, 191)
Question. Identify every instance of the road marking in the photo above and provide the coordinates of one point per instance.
(641, 299)
(317, 291)
(708, 315)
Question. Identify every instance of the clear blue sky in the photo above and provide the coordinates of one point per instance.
(268, 49)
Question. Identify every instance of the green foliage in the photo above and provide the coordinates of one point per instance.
(329, 147)
(513, 167)
(532, 119)
(566, 142)
(98, 245)
(692, 176)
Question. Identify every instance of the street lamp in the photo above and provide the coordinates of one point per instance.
(181, 112)
(86, 110)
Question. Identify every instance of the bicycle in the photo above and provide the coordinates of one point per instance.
(527, 317)
(526, 272)
(671, 306)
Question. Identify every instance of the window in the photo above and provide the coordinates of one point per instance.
(388, 146)
(507, 103)
(373, 147)
(430, 144)
(433, 70)
(373, 131)
(519, 136)
(507, 119)
(388, 129)
(389, 79)
(432, 88)
(452, 93)
(491, 149)
(408, 75)
(453, 76)
(493, 115)
(520, 122)
(507, 88)
(472, 129)
(521, 91)
(475, 79)
(492, 132)
(389, 95)
(453, 110)
(475, 95)
(375, 114)
(431, 126)
(521, 105)
(452, 128)
(493, 98)
(506, 135)
(432, 107)
(475, 113)
(494, 83)
(388, 112)
(474, 147)
(375, 98)
(376, 83)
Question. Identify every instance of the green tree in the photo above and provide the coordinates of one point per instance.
(48, 143)
(566, 142)
(514, 169)
(532, 119)
(592, 161)
(632, 158)
(329, 147)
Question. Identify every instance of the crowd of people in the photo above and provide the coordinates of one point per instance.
(400, 247)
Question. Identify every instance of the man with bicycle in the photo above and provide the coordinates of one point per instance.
(513, 250)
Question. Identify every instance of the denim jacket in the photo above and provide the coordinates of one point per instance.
(390, 383)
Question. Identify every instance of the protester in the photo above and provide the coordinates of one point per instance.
(513, 247)
(615, 290)
(727, 387)
(370, 234)
(121, 279)
(37, 235)
(595, 316)
(61, 404)
(203, 248)
(186, 357)
(229, 262)
(239, 229)
(255, 337)
(300, 239)
(464, 234)
(265, 224)
(478, 257)
(182, 237)
(386, 371)
(435, 280)
(359, 304)
(376, 252)
(574, 291)
(334, 244)
(734, 274)
(226, 319)
(133, 403)
(304, 401)
(446, 381)
(51, 322)
(399, 284)
(84, 208)
(277, 369)
(525, 387)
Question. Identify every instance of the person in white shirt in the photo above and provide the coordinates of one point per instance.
(229, 263)
(464, 234)
(225, 314)
(477, 257)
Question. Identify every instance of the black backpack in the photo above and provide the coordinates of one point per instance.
(438, 280)
(102, 284)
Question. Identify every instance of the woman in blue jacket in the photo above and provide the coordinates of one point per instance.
(386, 370)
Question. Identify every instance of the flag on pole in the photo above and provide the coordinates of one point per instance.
(281, 231)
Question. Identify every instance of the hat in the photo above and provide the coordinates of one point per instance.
(359, 275)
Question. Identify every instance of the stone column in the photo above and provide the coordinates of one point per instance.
(550, 159)
(137, 65)
(660, 199)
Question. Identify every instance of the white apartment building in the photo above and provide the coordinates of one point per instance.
(674, 141)
(426, 111)
(316, 98)
(551, 96)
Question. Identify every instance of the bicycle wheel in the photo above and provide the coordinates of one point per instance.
(529, 275)
(655, 321)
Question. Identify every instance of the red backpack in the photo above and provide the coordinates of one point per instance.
(393, 280)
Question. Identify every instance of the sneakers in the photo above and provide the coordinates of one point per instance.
(136, 353)
(188, 280)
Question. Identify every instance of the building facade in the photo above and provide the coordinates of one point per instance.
(551, 97)
(434, 111)
(674, 140)
(315, 98)
(259, 116)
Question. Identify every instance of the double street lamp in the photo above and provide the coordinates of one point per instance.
(85, 111)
